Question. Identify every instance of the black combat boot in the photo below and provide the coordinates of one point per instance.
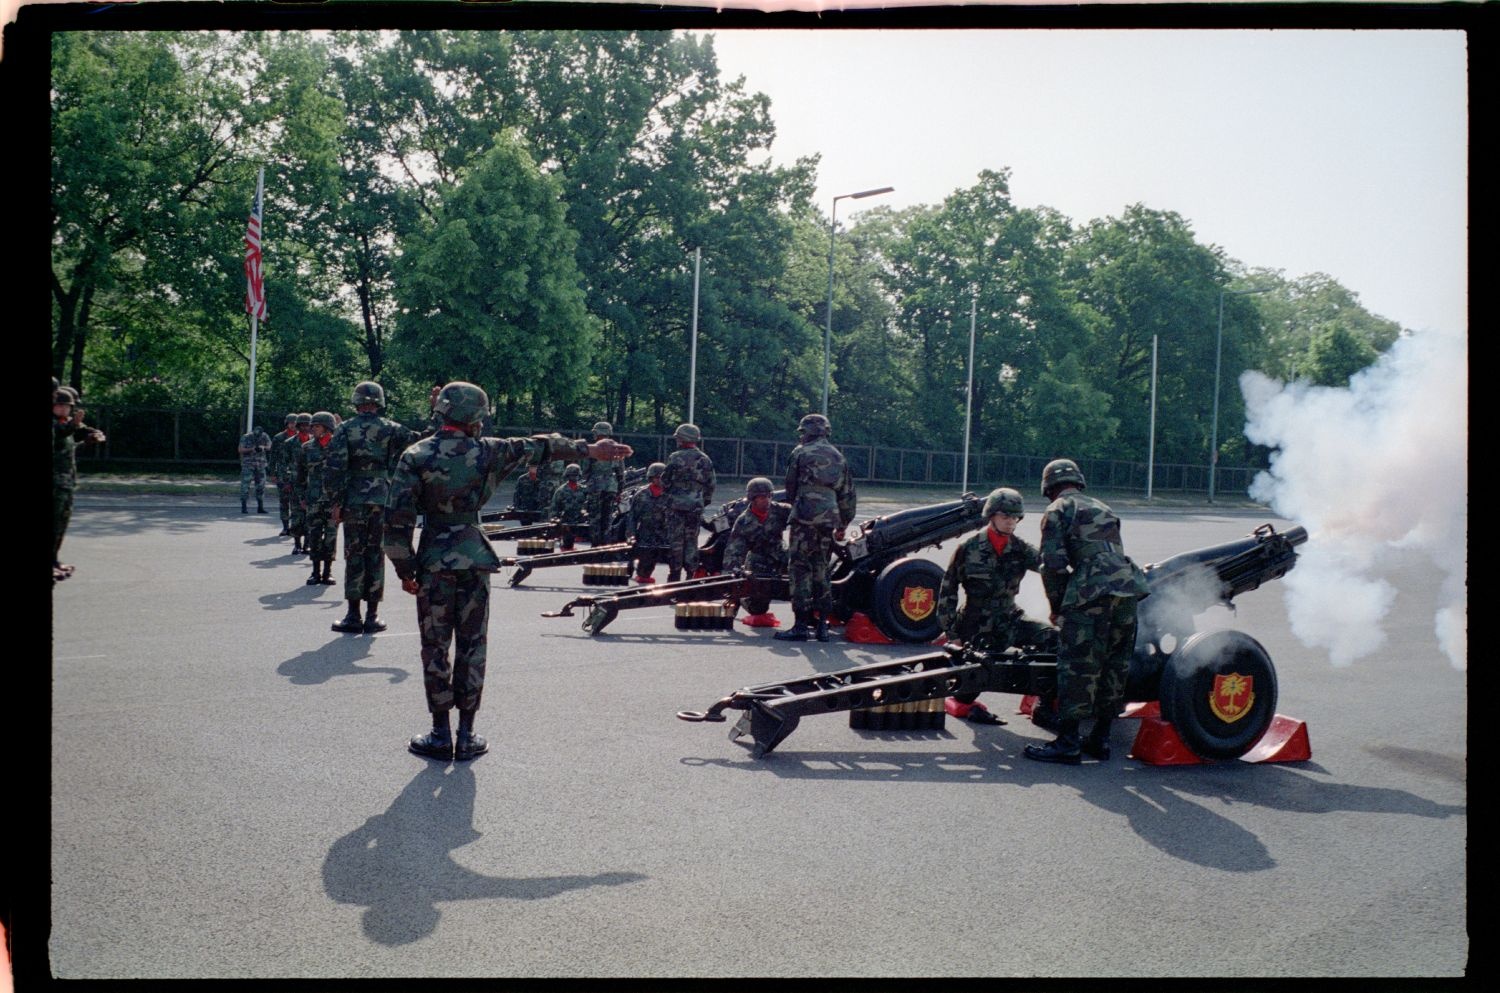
(316, 576)
(673, 575)
(328, 579)
(260, 505)
(469, 745)
(799, 631)
(286, 530)
(437, 743)
(822, 631)
(243, 508)
(1096, 745)
(372, 623)
(296, 544)
(1065, 749)
(350, 622)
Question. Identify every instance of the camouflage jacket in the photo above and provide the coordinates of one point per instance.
(312, 463)
(281, 461)
(689, 479)
(647, 518)
(1082, 555)
(818, 485)
(259, 444)
(989, 581)
(65, 440)
(361, 458)
(568, 504)
(528, 494)
(448, 479)
(603, 477)
(759, 545)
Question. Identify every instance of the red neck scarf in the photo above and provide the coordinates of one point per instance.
(760, 515)
(656, 489)
(303, 438)
(323, 441)
(998, 541)
(572, 484)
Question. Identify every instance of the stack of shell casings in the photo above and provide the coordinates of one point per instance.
(918, 715)
(607, 574)
(535, 546)
(712, 616)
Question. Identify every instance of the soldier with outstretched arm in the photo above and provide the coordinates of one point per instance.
(446, 479)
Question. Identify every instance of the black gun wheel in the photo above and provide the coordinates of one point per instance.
(904, 601)
(1219, 691)
(757, 604)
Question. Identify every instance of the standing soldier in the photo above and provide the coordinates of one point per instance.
(317, 505)
(570, 504)
(361, 458)
(254, 447)
(527, 497)
(755, 540)
(277, 472)
(68, 432)
(605, 480)
(988, 567)
(689, 482)
(821, 492)
(448, 479)
(647, 523)
(293, 463)
(1093, 589)
(552, 478)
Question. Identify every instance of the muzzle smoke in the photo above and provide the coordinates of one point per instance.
(1372, 470)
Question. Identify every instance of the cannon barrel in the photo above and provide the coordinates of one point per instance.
(881, 539)
(1216, 574)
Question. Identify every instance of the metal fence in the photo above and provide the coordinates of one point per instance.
(207, 439)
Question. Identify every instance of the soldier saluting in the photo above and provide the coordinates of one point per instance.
(447, 479)
(821, 492)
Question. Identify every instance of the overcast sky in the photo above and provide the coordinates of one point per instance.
(1332, 151)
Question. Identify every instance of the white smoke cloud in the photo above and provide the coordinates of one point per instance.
(1370, 469)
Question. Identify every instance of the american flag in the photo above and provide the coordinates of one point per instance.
(255, 293)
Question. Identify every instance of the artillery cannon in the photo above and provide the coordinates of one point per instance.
(1217, 688)
(874, 571)
(510, 514)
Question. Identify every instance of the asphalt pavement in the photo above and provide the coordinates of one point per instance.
(231, 797)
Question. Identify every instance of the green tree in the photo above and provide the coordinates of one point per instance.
(1335, 354)
(1297, 311)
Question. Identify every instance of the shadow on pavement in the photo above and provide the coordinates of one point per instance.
(337, 658)
(397, 864)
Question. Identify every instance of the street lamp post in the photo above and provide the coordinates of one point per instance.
(1213, 444)
(828, 324)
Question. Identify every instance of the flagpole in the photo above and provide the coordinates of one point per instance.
(260, 181)
(969, 405)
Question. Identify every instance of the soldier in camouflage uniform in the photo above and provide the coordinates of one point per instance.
(361, 458)
(689, 482)
(277, 473)
(68, 432)
(756, 540)
(646, 523)
(821, 492)
(317, 500)
(570, 504)
(552, 478)
(527, 497)
(1093, 589)
(254, 447)
(291, 459)
(447, 479)
(988, 568)
(604, 481)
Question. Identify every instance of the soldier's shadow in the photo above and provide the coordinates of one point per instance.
(337, 658)
(398, 864)
(270, 539)
(297, 596)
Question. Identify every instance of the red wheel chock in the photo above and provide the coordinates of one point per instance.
(766, 620)
(1285, 740)
(862, 631)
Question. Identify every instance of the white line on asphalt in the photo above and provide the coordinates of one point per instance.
(75, 658)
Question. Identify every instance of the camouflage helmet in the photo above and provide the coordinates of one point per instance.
(655, 469)
(304, 419)
(368, 392)
(814, 426)
(603, 429)
(688, 432)
(759, 486)
(573, 471)
(65, 394)
(1004, 501)
(291, 419)
(324, 418)
(462, 402)
(1058, 472)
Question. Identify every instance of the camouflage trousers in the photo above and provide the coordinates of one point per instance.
(297, 515)
(62, 513)
(808, 548)
(453, 607)
(287, 501)
(1095, 643)
(999, 637)
(364, 562)
(322, 536)
(252, 475)
(601, 508)
(682, 541)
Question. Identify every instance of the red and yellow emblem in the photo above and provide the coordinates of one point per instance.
(1232, 696)
(917, 602)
